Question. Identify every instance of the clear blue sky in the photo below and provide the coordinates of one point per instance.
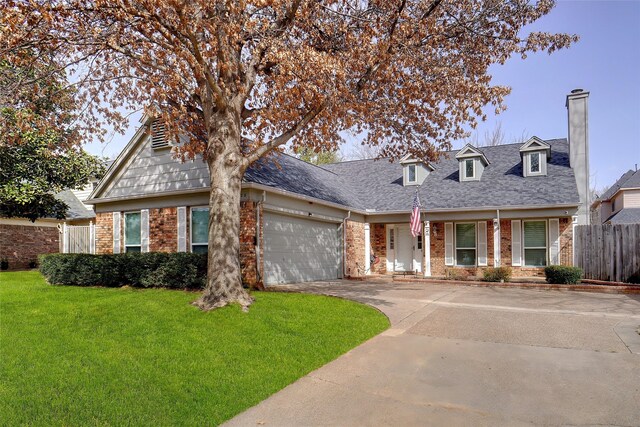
(606, 62)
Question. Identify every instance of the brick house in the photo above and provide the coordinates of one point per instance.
(511, 205)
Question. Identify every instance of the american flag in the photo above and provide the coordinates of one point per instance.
(415, 216)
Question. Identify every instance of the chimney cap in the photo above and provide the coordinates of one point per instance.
(577, 90)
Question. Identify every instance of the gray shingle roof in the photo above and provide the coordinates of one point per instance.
(290, 174)
(76, 209)
(630, 179)
(378, 184)
(626, 216)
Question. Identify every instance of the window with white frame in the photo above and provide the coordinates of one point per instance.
(411, 173)
(466, 244)
(535, 243)
(132, 234)
(469, 171)
(534, 163)
(199, 230)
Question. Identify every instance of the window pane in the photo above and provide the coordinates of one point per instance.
(199, 225)
(535, 162)
(132, 228)
(392, 239)
(466, 236)
(468, 164)
(535, 234)
(199, 249)
(412, 173)
(466, 257)
(419, 241)
(132, 249)
(535, 257)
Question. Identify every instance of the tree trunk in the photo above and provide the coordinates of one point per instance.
(225, 161)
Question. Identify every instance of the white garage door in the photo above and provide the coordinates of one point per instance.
(300, 250)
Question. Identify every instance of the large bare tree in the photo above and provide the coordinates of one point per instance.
(240, 78)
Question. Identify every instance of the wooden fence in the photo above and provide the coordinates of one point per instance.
(608, 252)
(78, 239)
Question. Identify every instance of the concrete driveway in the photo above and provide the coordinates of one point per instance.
(458, 355)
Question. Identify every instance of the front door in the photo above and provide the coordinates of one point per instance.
(404, 249)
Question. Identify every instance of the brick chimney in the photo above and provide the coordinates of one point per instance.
(578, 119)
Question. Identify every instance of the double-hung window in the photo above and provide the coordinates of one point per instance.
(199, 230)
(535, 243)
(466, 244)
(132, 236)
(411, 171)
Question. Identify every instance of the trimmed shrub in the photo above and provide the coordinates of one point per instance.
(152, 269)
(634, 278)
(561, 274)
(497, 274)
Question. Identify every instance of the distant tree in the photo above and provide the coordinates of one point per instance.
(318, 158)
(495, 136)
(364, 152)
(39, 146)
(239, 79)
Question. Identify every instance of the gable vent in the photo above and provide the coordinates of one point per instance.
(158, 137)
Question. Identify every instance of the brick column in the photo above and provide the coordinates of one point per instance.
(354, 241)
(248, 241)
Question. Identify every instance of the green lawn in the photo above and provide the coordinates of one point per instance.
(98, 356)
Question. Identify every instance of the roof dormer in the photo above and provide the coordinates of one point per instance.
(471, 162)
(535, 154)
(414, 171)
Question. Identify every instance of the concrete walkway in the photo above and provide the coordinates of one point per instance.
(457, 355)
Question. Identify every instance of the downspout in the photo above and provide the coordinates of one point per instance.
(259, 205)
(497, 244)
(344, 244)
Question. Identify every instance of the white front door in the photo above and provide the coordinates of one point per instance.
(404, 249)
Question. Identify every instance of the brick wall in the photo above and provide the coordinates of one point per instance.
(566, 241)
(21, 244)
(248, 265)
(163, 230)
(104, 233)
(354, 241)
(437, 249)
(505, 243)
(490, 243)
(379, 247)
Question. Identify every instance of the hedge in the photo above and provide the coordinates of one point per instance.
(497, 274)
(153, 269)
(560, 274)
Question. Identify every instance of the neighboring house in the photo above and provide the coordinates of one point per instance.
(620, 204)
(21, 240)
(511, 205)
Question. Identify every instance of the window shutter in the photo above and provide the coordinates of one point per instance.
(448, 243)
(482, 243)
(554, 241)
(182, 229)
(144, 230)
(116, 232)
(516, 244)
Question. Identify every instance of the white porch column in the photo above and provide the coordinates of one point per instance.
(496, 243)
(92, 238)
(367, 248)
(426, 248)
(65, 238)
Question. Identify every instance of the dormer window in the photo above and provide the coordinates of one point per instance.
(535, 154)
(411, 171)
(472, 163)
(469, 168)
(414, 171)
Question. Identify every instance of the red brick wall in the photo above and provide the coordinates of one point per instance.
(505, 243)
(163, 230)
(437, 249)
(566, 241)
(490, 243)
(354, 240)
(104, 233)
(21, 244)
(379, 247)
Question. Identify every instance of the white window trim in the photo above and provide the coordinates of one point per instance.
(190, 234)
(541, 158)
(415, 174)
(124, 231)
(455, 244)
(525, 247)
(473, 168)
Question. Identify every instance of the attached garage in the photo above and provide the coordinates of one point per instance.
(300, 250)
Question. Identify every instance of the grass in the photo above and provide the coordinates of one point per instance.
(104, 356)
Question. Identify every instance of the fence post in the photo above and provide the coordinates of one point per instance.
(92, 238)
(65, 238)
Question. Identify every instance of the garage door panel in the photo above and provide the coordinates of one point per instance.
(299, 249)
